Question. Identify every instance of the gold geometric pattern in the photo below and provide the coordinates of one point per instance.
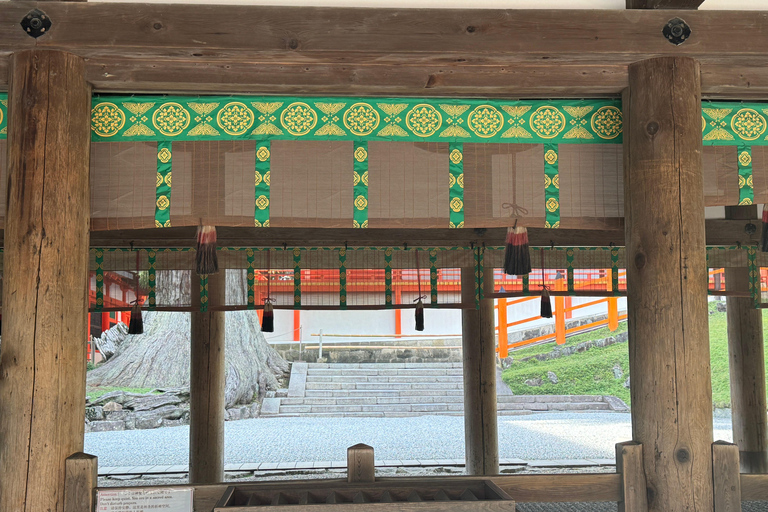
(460, 180)
(107, 119)
(262, 154)
(457, 204)
(454, 120)
(556, 181)
(485, 121)
(742, 181)
(364, 178)
(745, 202)
(361, 119)
(423, 120)
(171, 119)
(266, 178)
(355, 179)
(745, 158)
(517, 131)
(158, 180)
(138, 118)
(361, 154)
(257, 178)
(267, 118)
(547, 181)
(550, 157)
(393, 112)
(235, 118)
(164, 155)
(554, 226)
(163, 203)
(451, 181)
(578, 122)
(330, 119)
(262, 202)
(361, 203)
(552, 205)
(202, 119)
(452, 225)
(547, 122)
(298, 118)
(607, 122)
(748, 124)
(168, 178)
(456, 156)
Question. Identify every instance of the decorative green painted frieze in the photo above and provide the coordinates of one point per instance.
(3, 115)
(360, 184)
(456, 184)
(551, 186)
(261, 178)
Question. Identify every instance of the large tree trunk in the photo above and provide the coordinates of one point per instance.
(160, 356)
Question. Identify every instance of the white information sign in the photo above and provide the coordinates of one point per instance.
(177, 499)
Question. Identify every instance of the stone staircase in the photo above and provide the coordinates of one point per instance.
(403, 389)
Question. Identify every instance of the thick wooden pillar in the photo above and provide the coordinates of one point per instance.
(667, 283)
(207, 382)
(746, 359)
(45, 299)
(478, 330)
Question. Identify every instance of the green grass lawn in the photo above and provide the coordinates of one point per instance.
(591, 372)
(96, 392)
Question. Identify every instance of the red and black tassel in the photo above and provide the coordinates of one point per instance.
(420, 315)
(764, 235)
(546, 305)
(206, 261)
(517, 257)
(136, 324)
(268, 317)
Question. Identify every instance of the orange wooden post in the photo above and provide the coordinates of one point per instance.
(503, 342)
(296, 325)
(560, 313)
(568, 306)
(613, 304)
(398, 317)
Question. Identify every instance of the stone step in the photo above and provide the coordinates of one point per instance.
(383, 378)
(347, 366)
(385, 409)
(373, 372)
(389, 415)
(384, 385)
(330, 393)
(373, 400)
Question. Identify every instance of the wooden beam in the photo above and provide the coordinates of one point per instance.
(754, 487)
(664, 4)
(667, 283)
(419, 52)
(42, 372)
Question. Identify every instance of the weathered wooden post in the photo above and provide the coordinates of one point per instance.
(207, 383)
(667, 282)
(45, 300)
(82, 479)
(746, 359)
(478, 335)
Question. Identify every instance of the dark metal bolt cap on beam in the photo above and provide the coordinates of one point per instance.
(36, 23)
(676, 31)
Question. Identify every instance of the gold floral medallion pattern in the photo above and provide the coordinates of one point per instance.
(171, 119)
(552, 204)
(235, 118)
(456, 156)
(361, 203)
(457, 204)
(551, 157)
(547, 122)
(262, 202)
(485, 121)
(164, 155)
(423, 120)
(745, 158)
(607, 122)
(361, 154)
(298, 118)
(361, 119)
(163, 203)
(107, 119)
(748, 124)
(262, 154)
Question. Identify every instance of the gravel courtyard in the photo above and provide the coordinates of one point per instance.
(547, 436)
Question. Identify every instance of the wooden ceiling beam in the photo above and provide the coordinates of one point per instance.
(719, 232)
(664, 4)
(379, 52)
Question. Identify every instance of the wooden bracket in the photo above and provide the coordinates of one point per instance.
(360, 466)
(725, 476)
(629, 463)
(80, 482)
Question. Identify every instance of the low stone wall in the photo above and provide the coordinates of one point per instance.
(407, 350)
(120, 410)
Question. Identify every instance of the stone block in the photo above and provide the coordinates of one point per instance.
(270, 406)
(112, 407)
(95, 413)
(107, 426)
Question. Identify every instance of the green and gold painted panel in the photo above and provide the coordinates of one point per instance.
(3, 115)
(185, 118)
(734, 124)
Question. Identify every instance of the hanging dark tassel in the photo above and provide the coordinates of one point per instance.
(419, 315)
(268, 318)
(206, 261)
(136, 325)
(546, 305)
(764, 237)
(517, 257)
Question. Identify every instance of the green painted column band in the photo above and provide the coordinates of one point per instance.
(746, 188)
(754, 276)
(360, 183)
(151, 257)
(456, 184)
(163, 185)
(99, 279)
(615, 270)
(433, 276)
(203, 294)
(3, 115)
(251, 279)
(569, 261)
(551, 186)
(297, 278)
(526, 284)
(342, 279)
(388, 277)
(262, 178)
